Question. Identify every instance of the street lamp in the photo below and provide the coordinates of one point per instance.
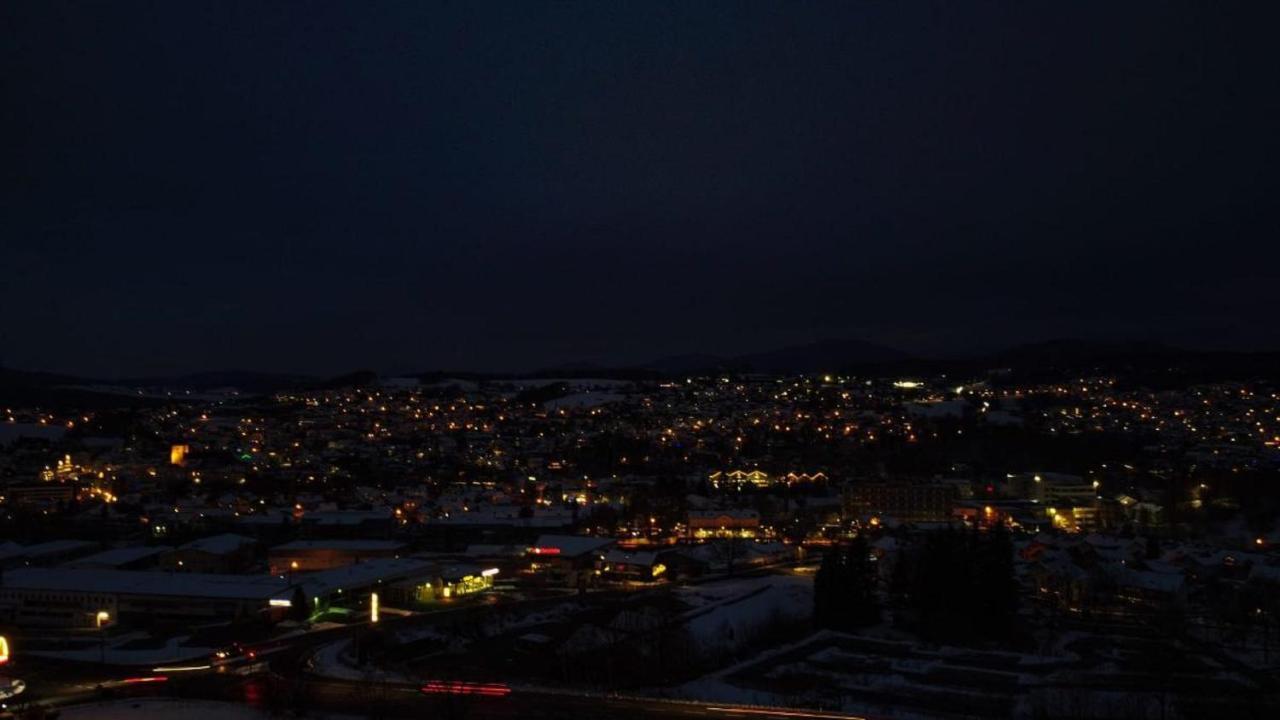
(103, 617)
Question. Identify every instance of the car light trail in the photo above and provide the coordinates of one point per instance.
(466, 688)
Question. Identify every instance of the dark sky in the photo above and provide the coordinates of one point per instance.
(405, 186)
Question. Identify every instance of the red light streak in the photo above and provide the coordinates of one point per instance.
(466, 688)
(152, 679)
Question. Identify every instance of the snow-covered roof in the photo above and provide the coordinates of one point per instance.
(346, 517)
(453, 573)
(349, 545)
(509, 516)
(10, 549)
(489, 550)
(572, 545)
(131, 582)
(54, 547)
(623, 557)
(117, 556)
(219, 544)
(1154, 581)
(364, 574)
(267, 517)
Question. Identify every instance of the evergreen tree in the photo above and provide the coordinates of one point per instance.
(844, 589)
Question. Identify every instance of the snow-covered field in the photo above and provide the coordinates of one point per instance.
(168, 708)
(336, 660)
(730, 615)
(161, 709)
(746, 602)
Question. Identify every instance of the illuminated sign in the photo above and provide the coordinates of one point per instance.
(280, 602)
(546, 551)
(489, 573)
(4, 649)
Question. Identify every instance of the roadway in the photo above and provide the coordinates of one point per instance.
(399, 701)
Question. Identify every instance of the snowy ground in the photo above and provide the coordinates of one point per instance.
(161, 709)
(167, 708)
(337, 660)
(726, 614)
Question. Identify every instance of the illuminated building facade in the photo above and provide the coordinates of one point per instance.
(705, 524)
(906, 502)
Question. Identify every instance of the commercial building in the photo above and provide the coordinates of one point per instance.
(723, 523)
(906, 502)
(622, 566)
(227, 553)
(567, 560)
(69, 597)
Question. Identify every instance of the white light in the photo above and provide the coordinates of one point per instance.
(373, 607)
(489, 573)
(281, 602)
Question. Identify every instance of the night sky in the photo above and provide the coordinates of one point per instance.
(318, 187)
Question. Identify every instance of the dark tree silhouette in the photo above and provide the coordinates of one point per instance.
(844, 590)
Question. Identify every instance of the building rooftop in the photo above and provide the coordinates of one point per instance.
(364, 574)
(54, 547)
(133, 582)
(570, 545)
(346, 517)
(219, 544)
(117, 556)
(351, 545)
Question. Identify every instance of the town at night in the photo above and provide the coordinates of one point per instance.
(612, 360)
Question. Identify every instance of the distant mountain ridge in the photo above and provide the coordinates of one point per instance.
(1146, 360)
(245, 380)
(1075, 350)
(828, 355)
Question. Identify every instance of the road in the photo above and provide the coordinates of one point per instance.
(270, 692)
(394, 701)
